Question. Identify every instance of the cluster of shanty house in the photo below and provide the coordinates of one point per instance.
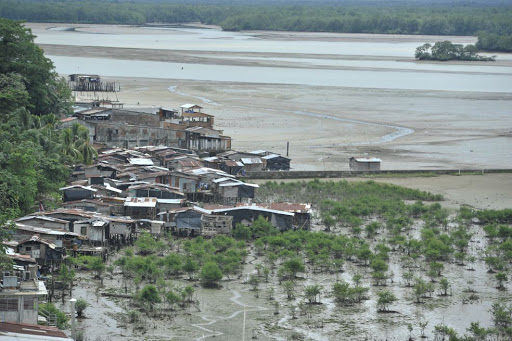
(127, 191)
(147, 188)
(188, 128)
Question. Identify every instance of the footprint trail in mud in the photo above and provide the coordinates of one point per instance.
(210, 321)
(399, 131)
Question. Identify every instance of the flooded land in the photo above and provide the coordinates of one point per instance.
(331, 96)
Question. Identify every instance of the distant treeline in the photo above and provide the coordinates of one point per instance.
(418, 19)
(494, 42)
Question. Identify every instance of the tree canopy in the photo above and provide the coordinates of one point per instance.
(446, 50)
(32, 98)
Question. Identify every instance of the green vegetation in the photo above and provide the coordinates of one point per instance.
(148, 297)
(446, 50)
(494, 42)
(344, 192)
(34, 155)
(398, 228)
(210, 274)
(47, 309)
(386, 298)
(437, 19)
(80, 306)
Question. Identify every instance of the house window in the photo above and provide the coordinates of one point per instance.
(28, 303)
(28, 248)
(83, 230)
(8, 304)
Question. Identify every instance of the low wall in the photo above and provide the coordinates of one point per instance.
(344, 174)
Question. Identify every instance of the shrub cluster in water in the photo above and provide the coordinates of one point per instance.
(446, 50)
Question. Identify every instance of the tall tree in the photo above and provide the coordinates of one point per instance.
(19, 55)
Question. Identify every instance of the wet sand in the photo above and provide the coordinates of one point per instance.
(327, 125)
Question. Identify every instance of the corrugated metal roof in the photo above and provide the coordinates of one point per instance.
(42, 230)
(170, 201)
(284, 206)
(184, 209)
(222, 180)
(272, 156)
(189, 106)
(140, 202)
(230, 163)
(141, 162)
(84, 201)
(87, 188)
(39, 217)
(196, 114)
(36, 238)
(13, 331)
(251, 161)
(206, 170)
(252, 208)
(258, 152)
(233, 184)
(367, 159)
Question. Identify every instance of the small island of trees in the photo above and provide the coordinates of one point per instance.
(446, 50)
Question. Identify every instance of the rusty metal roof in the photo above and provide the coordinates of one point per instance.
(12, 330)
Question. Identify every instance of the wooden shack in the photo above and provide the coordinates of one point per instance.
(276, 162)
(73, 193)
(212, 225)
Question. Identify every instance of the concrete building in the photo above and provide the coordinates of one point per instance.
(20, 293)
(364, 163)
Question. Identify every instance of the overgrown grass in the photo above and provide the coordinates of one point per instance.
(315, 191)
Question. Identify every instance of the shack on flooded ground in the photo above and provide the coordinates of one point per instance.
(141, 208)
(94, 205)
(101, 169)
(77, 192)
(155, 227)
(231, 192)
(70, 215)
(43, 251)
(96, 230)
(252, 164)
(364, 163)
(212, 225)
(246, 215)
(302, 212)
(276, 162)
(187, 183)
(44, 222)
(232, 167)
(155, 190)
(85, 250)
(61, 238)
(185, 221)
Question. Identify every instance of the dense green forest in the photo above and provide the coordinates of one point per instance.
(494, 42)
(35, 157)
(406, 19)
